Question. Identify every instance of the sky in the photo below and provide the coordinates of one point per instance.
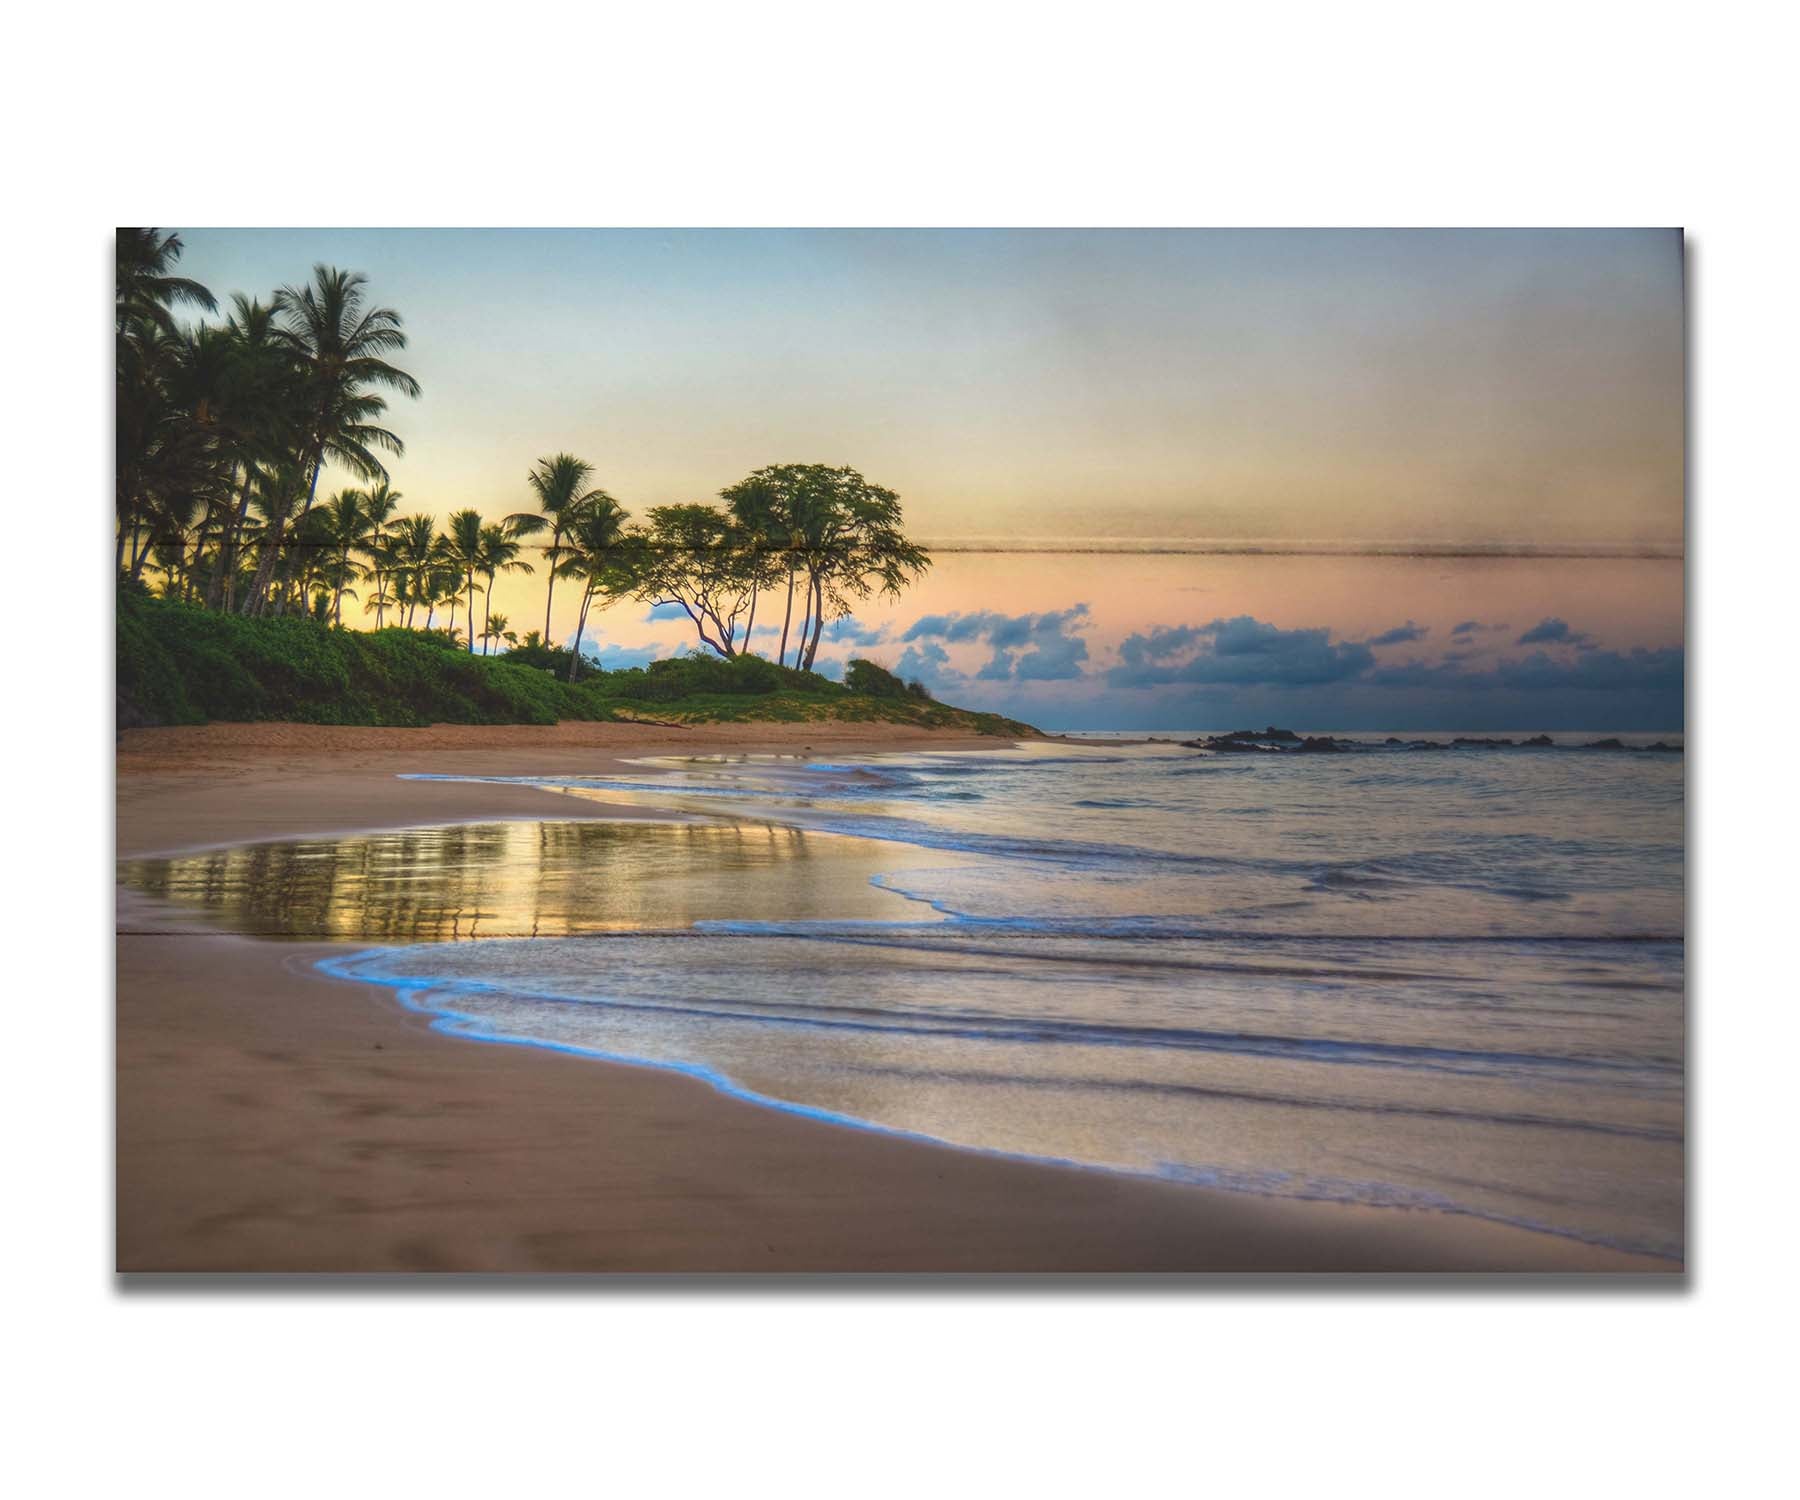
(1173, 479)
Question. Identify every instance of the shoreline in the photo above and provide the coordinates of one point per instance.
(272, 1118)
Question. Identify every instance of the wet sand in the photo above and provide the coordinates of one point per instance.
(270, 1119)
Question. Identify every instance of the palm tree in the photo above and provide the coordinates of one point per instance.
(499, 553)
(561, 487)
(496, 630)
(443, 583)
(598, 552)
(410, 550)
(342, 528)
(339, 344)
(378, 508)
(144, 291)
(256, 430)
(462, 551)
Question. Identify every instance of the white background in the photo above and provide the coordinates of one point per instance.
(918, 114)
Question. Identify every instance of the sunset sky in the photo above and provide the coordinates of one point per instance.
(1171, 398)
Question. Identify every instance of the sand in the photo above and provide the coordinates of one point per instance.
(272, 1120)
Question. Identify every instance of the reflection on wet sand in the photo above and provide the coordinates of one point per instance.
(529, 879)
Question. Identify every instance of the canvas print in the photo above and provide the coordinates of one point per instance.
(900, 751)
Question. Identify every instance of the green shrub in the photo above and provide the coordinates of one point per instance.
(178, 664)
(862, 676)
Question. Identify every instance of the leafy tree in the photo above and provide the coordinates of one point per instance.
(697, 557)
(836, 534)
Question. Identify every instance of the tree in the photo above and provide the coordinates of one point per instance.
(164, 456)
(495, 630)
(379, 506)
(411, 551)
(339, 344)
(695, 556)
(342, 526)
(499, 553)
(832, 529)
(562, 487)
(257, 429)
(145, 294)
(462, 552)
(602, 556)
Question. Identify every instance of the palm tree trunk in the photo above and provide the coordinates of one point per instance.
(580, 625)
(287, 571)
(787, 619)
(550, 592)
(818, 620)
(220, 594)
(805, 621)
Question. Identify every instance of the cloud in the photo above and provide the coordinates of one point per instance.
(857, 634)
(928, 662)
(665, 612)
(1467, 627)
(1041, 647)
(614, 657)
(1540, 673)
(1239, 651)
(1554, 631)
(1401, 634)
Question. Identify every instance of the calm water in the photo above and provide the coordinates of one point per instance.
(1439, 979)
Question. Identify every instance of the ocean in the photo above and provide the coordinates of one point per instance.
(1448, 979)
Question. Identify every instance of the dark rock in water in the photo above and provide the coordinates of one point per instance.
(1604, 745)
(1426, 745)
(1663, 745)
(1393, 739)
(1231, 744)
(1479, 744)
(1540, 739)
(1269, 742)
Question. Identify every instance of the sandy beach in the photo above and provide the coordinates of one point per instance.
(270, 1119)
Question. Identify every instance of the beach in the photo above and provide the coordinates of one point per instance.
(272, 1119)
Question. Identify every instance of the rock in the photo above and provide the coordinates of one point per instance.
(1479, 744)
(1231, 744)
(1661, 745)
(1322, 745)
(1604, 745)
(1540, 740)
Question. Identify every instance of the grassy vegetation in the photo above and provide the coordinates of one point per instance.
(180, 664)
